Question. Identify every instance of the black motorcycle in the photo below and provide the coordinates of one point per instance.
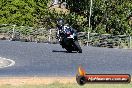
(68, 40)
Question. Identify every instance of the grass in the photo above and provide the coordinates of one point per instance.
(59, 85)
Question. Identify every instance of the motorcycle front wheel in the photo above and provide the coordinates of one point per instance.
(78, 48)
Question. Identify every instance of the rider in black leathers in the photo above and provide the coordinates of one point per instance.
(62, 29)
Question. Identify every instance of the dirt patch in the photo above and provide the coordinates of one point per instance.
(35, 80)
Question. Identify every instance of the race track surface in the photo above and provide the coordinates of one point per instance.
(41, 59)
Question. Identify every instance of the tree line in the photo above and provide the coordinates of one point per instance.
(108, 16)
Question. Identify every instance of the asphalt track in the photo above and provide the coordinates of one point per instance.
(41, 59)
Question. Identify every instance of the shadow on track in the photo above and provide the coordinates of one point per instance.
(62, 51)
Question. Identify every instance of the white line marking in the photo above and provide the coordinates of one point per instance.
(8, 65)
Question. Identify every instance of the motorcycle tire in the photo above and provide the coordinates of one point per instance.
(79, 50)
(68, 50)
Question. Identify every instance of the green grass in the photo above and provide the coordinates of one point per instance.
(58, 85)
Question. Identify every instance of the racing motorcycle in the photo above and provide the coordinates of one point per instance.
(68, 40)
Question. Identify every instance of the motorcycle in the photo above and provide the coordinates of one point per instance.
(68, 40)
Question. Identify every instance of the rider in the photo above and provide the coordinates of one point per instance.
(60, 24)
(62, 28)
